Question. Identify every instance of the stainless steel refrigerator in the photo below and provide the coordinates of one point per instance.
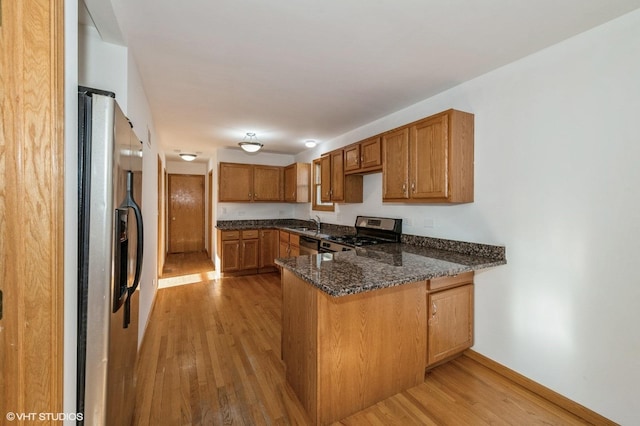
(110, 242)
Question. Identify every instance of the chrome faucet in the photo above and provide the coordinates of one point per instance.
(316, 221)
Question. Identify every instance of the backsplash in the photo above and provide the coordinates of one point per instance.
(474, 249)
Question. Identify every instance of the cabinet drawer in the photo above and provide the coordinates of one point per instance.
(447, 282)
(248, 234)
(230, 235)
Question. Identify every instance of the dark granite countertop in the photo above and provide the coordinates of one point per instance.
(385, 265)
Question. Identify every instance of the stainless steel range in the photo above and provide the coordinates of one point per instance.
(369, 231)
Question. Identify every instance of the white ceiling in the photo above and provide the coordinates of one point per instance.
(292, 70)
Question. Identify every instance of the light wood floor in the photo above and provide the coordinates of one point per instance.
(211, 356)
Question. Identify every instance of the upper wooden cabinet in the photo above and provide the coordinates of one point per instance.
(267, 183)
(235, 182)
(249, 182)
(430, 161)
(364, 157)
(335, 185)
(297, 183)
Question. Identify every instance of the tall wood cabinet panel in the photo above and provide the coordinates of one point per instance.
(436, 165)
(297, 183)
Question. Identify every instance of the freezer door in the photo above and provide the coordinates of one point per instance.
(111, 238)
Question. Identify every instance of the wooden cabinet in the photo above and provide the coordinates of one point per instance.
(289, 244)
(249, 182)
(430, 160)
(239, 251)
(449, 317)
(335, 185)
(395, 157)
(344, 354)
(267, 183)
(268, 248)
(364, 157)
(250, 250)
(235, 182)
(297, 183)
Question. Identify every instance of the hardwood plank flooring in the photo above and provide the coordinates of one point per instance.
(211, 356)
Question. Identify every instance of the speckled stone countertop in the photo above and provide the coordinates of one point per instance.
(384, 265)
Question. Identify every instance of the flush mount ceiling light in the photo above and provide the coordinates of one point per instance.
(188, 157)
(310, 143)
(250, 143)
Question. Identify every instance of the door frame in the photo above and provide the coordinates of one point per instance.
(32, 203)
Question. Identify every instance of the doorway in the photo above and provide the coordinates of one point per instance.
(186, 213)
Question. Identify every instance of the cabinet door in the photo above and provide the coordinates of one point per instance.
(283, 250)
(352, 158)
(449, 322)
(325, 178)
(290, 184)
(250, 254)
(429, 158)
(230, 256)
(267, 183)
(235, 182)
(337, 175)
(294, 245)
(371, 154)
(395, 165)
(268, 247)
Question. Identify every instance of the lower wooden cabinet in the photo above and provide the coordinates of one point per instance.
(289, 245)
(449, 317)
(268, 248)
(247, 251)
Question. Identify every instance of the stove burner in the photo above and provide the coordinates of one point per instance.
(355, 241)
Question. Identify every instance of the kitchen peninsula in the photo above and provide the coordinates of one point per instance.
(363, 325)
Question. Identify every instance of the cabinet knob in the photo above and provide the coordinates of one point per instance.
(434, 309)
(413, 186)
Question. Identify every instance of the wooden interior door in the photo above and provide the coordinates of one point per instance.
(186, 213)
(32, 177)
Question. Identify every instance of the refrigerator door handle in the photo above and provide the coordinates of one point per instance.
(129, 202)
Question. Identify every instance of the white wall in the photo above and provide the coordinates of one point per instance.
(556, 181)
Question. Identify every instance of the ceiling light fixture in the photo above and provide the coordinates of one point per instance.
(188, 157)
(252, 144)
(310, 143)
